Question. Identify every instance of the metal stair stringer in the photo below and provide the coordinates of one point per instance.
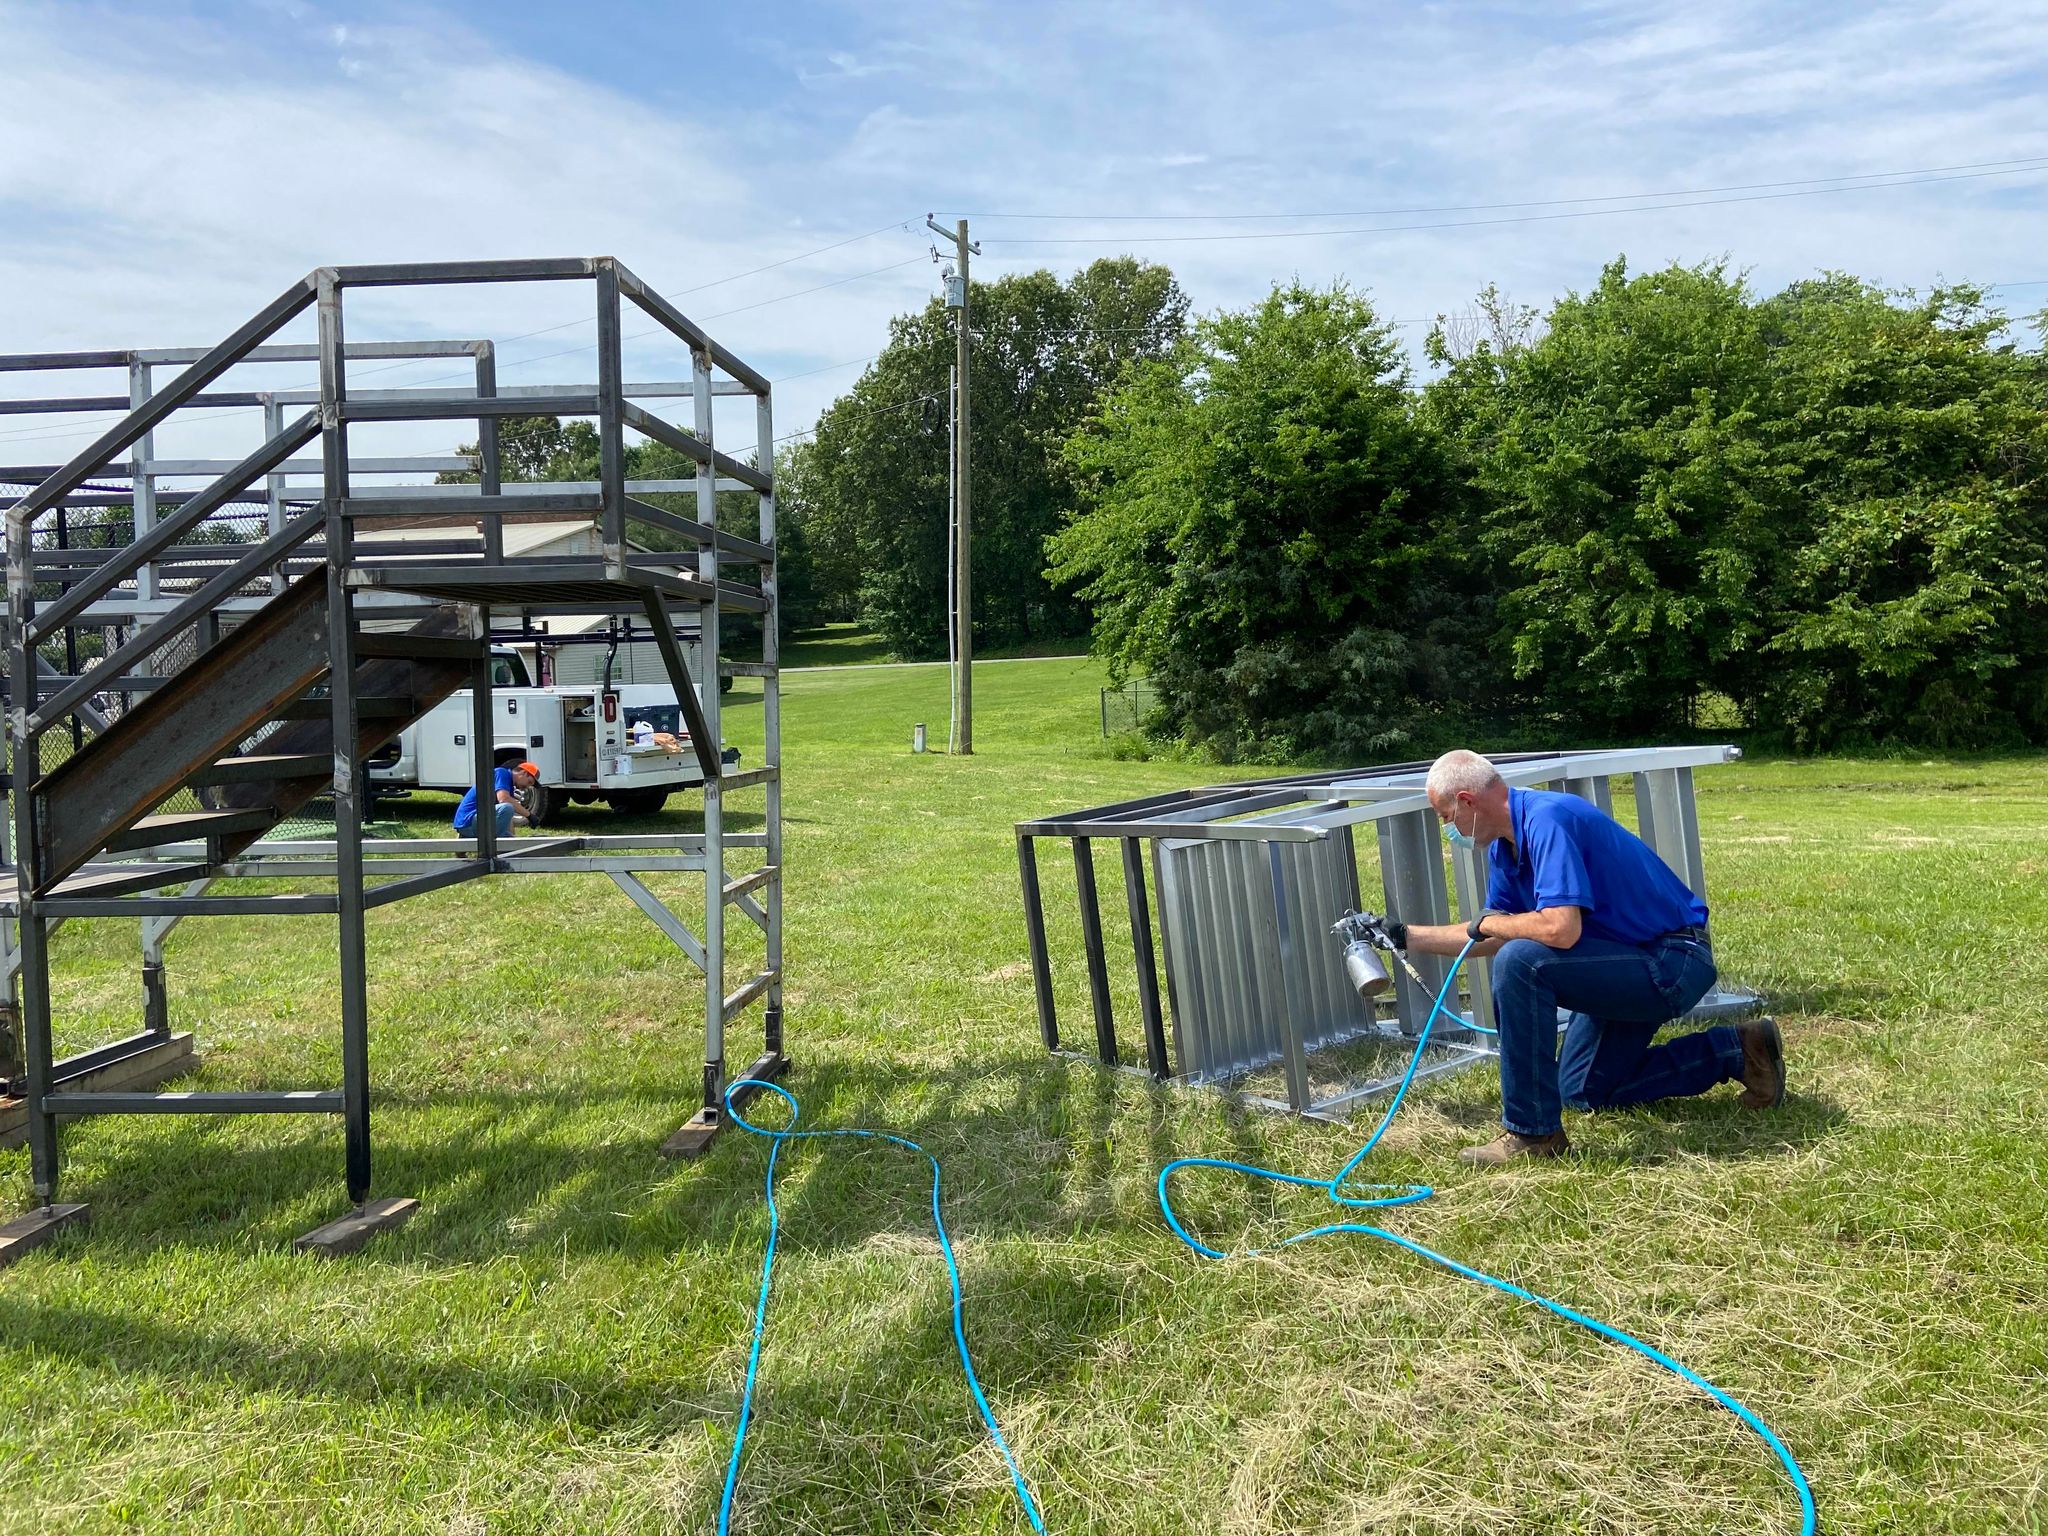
(418, 682)
(223, 697)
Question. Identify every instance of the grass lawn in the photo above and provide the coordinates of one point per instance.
(556, 1342)
(843, 645)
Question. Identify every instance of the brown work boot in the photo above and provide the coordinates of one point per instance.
(1763, 1063)
(1512, 1146)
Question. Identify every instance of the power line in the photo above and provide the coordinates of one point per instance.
(878, 410)
(1526, 218)
(788, 260)
(828, 368)
(2030, 162)
(801, 292)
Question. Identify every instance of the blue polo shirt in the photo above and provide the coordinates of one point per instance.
(465, 813)
(1570, 853)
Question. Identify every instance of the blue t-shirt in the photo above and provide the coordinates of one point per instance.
(1570, 853)
(465, 813)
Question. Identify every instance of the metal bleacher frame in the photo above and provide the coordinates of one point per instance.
(143, 600)
(1248, 878)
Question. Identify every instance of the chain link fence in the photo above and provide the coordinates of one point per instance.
(1126, 708)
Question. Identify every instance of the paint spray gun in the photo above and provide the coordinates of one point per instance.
(1365, 936)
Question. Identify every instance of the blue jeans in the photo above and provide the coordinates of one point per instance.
(1619, 995)
(504, 822)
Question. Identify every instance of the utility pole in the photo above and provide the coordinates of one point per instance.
(963, 545)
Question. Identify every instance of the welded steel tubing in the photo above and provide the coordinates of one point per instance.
(1146, 959)
(1091, 939)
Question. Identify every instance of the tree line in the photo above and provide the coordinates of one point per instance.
(1819, 516)
(1666, 504)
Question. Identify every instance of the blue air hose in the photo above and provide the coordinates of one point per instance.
(1388, 1195)
(776, 1139)
(1409, 1194)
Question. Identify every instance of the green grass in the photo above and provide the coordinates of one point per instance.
(835, 645)
(556, 1342)
(845, 645)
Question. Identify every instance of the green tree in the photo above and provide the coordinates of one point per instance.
(874, 480)
(1917, 604)
(1630, 511)
(1826, 505)
(1268, 531)
(819, 578)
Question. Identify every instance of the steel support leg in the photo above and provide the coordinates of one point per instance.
(35, 1012)
(156, 1006)
(483, 730)
(1146, 959)
(348, 771)
(1091, 940)
(1034, 935)
(771, 723)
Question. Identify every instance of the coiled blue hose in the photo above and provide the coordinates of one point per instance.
(1388, 1195)
(1409, 1194)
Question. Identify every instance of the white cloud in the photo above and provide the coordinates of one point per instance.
(215, 166)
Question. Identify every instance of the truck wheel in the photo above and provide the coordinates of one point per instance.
(537, 803)
(637, 802)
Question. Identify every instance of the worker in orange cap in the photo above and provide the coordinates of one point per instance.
(511, 784)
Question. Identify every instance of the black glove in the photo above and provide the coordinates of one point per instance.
(1472, 928)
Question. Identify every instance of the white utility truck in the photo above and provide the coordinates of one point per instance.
(590, 742)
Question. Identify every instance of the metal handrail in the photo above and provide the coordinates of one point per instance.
(84, 587)
(149, 639)
(144, 418)
(167, 531)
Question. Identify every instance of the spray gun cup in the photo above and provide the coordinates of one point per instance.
(1364, 969)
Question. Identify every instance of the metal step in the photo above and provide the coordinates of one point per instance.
(124, 879)
(50, 683)
(403, 645)
(256, 767)
(391, 693)
(382, 708)
(572, 584)
(188, 826)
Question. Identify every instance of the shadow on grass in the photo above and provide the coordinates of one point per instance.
(1713, 1126)
(576, 1167)
(1032, 1147)
(684, 813)
(530, 1179)
(1019, 1352)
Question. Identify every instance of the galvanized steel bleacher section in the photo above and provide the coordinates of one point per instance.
(190, 665)
(1246, 880)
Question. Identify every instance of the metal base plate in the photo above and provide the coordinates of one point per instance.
(694, 1137)
(350, 1232)
(32, 1229)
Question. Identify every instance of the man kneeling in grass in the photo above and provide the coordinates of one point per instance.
(1582, 914)
(509, 785)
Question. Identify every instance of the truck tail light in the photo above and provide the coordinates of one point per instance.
(611, 707)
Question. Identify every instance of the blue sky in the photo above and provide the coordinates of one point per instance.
(164, 168)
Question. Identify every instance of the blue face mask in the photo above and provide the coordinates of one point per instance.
(1456, 838)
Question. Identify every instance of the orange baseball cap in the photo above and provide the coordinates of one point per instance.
(531, 770)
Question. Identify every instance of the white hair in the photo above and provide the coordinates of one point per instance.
(1460, 770)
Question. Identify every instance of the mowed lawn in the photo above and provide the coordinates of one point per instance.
(556, 1343)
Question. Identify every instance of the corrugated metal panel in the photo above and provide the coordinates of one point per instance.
(1233, 998)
